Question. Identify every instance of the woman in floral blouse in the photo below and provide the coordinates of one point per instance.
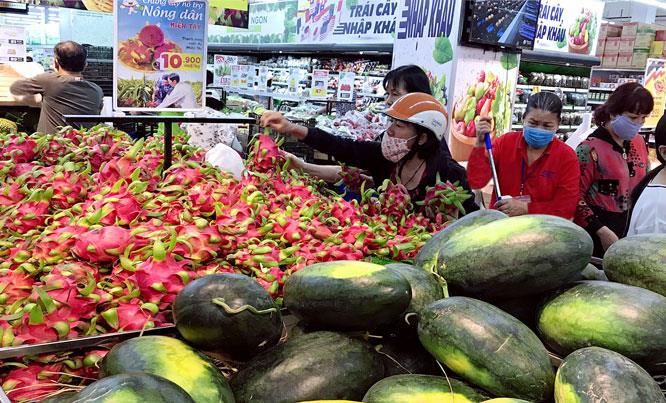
(613, 160)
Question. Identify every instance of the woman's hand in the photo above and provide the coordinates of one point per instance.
(483, 125)
(607, 237)
(294, 161)
(277, 122)
(512, 207)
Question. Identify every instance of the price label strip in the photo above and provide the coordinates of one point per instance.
(180, 61)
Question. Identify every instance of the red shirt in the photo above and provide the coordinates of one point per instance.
(552, 181)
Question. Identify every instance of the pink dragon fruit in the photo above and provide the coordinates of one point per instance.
(32, 383)
(151, 35)
(55, 245)
(103, 245)
(14, 286)
(20, 149)
(30, 214)
(165, 48)
(50, 148)
(23, 168)
(265, 155)
(68, 189)
(161, 277)
(11, 194)
(113, 208)
(133, 315)
(197, 242)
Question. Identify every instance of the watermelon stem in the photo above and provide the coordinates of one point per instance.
(234, 311)
(409, 315)
(445, 375)
(378, 349)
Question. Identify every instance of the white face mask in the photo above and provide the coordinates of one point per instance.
(395, 149)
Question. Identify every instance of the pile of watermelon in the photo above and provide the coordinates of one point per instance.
(274, 298)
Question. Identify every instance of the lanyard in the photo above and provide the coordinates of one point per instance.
(523, 179)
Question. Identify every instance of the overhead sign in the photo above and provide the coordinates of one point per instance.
(569, 26)
(160, 55)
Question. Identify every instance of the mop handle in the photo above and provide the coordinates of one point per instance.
(489, 147)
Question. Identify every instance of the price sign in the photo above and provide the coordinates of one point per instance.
(180, 61)
(160, 54)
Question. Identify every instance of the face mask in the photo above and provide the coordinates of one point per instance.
(395, 149)
(538, 138)
(625, 128)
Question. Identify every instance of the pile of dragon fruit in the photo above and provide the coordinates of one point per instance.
(96, 238)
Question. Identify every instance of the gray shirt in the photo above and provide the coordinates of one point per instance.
(61, 95)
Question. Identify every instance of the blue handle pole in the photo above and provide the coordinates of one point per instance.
(489, 147)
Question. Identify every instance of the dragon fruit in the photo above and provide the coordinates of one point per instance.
(11, 194)
(14, 286)
(31, 213)
(32, 383)
(68, 189)
(55, 245)
(112, 207)
(20, 149)
(444, 199)
(197, 242)
(161, 277)
(103, 245)
(51, 148)
(264, 155)
(151, 35)
(133, 315)
(165, 48)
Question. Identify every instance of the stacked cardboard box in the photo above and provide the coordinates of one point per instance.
(636, 43)
(608, 45)
(658, 47)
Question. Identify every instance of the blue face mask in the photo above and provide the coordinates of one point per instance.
(538, 138)
(625, 128)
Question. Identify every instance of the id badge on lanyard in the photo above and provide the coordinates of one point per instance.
(523, 197)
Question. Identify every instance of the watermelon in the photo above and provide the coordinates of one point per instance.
(516, 256)
(638, 260)
(406, 356)
(594, 374)
(487, 347)
(622, 318)
(421, 389)
(312, 366)
(347, 295)
(132, 388)
(428, 254)
(425, 288)
(172, 359)
(505, 400)
(228, 313)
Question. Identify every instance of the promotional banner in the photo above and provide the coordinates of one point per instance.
(346, 86)
(484, 87)
(273, 22)
(104, 6)
(655, 82)
(319, 87)
(569, 26)
(160, 55)
(348, 21)
(229, 13)
(12, 44)
(426, 35)
(222, 66)
(239, 75)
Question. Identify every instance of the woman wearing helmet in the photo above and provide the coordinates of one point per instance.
(409, 151)
(537, 170)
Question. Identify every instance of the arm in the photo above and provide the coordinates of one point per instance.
(585, 217)
(566, 195)
(362, 154)
(29, 86)
(173, 97)
(328, 173)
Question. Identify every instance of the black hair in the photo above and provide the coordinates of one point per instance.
(71, 56)
(545, 101)
(165, 77)
(660, 138)
(412, 78)
(175, 77)
(629, 97)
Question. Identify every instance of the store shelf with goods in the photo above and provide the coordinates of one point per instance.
(618, 70)
(592, 102)
(550, 88)
(602, 89)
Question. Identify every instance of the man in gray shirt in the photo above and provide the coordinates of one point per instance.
(64, 92)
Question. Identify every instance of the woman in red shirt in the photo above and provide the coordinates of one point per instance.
(538, 170)
(613, 160)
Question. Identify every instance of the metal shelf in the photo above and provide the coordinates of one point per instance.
(618, 69)
(550, 88)
(592, 102)
(602, 89)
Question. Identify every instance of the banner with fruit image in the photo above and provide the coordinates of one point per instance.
(222, 68)
(485, 82)
(426, 35)
(655, 82)
(569, 26)
(159, 55)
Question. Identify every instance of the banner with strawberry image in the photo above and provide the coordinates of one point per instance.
(159, 55)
